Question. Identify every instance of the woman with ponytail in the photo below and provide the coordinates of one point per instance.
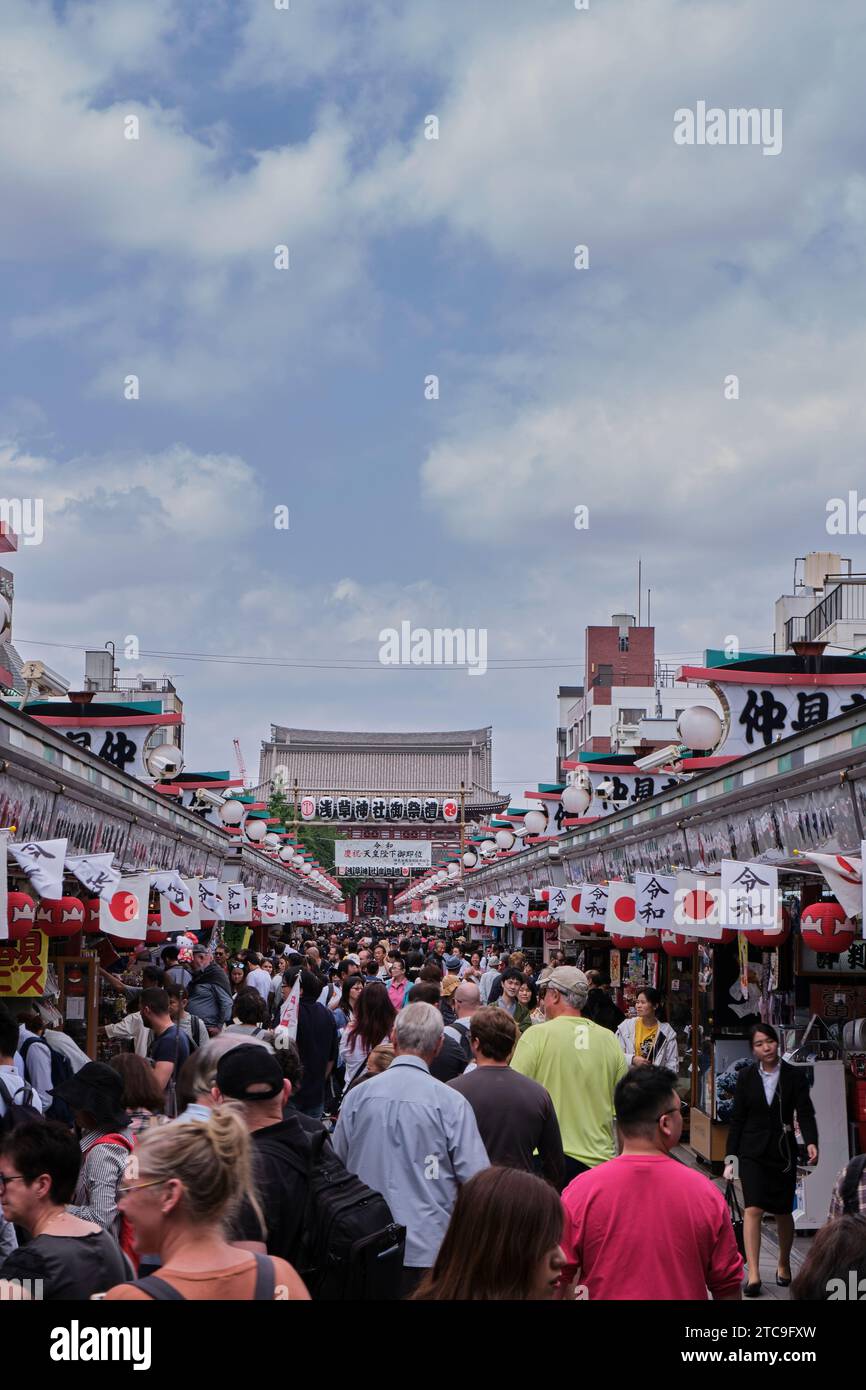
(188, 1179)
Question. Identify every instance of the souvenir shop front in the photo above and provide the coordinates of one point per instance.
(66, 803)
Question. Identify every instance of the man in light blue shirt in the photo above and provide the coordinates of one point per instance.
(405, 1135)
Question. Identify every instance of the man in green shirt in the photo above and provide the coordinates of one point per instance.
(579, 1064)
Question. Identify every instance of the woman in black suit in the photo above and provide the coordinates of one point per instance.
(761, 1139)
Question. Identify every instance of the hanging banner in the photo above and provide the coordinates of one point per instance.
(24, 967)
(519, 904)
(621, 913)
(124, 914)
(750, 896)
(210, 898)
(236, 902)
(844, 878)
(496, 912)
(475, 911)
(42, 862)
(362, 856)
(178, 902)
(269, 906)
(556, 904)
(593, 905)
(698, 908)
(96, 871)
(572, 904)
(655, 900)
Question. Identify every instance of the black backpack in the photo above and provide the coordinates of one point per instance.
(61, 1070)
(350, 1246)
(19, 1111)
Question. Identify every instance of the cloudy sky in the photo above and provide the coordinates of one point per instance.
(304, 388)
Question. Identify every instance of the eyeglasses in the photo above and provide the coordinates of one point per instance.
(124, 1189)
(4, 1180)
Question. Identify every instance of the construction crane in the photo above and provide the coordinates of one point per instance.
(239, 758)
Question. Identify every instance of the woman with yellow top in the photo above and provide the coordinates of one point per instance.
(645, 1040)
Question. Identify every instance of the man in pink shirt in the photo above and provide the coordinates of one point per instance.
(643, 1226)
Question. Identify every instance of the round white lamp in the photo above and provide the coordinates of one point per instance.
(700, 728)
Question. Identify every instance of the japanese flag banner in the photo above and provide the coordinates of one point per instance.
(844, 877)
(475, 911)
(557, 902)
(209, 899)
(124, 914)
(4, 887)
(95, 871)
(236, 902)
(655, 899)
(620, 916)
(698, 907)
(593, 905)
(572, 904)
(750, 896)
(178, 902)
(496, 912)
(42, 862)
(519, 904)
(458, 912)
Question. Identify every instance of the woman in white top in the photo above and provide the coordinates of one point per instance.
(370, 1025)
(645, 1040)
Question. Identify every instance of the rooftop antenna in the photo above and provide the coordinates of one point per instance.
(638, 592)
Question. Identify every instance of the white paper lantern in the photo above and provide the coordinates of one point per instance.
(535, 822)
(255, 831)
(699, 728)
(232, 812)
(575, 799)
(504, 839)
(453, 870)
(287, 852)
(272, 841)
(470, 859)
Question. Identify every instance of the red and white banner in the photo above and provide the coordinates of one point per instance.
(844, 877)
(496, 912)
(519, 904)
(572, 905)
(620, 916)
(124, 914)
(178, 902)
(475, 911)
(698, 909)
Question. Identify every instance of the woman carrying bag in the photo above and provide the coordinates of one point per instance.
(768, 1096)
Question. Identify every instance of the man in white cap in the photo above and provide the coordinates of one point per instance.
(579, 1064)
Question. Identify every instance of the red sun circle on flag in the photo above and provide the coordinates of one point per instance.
(180, 911)
(698, 905)
(624, 909)
(575, 902)
(123, 907)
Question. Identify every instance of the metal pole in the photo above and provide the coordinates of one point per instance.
(295, 813)
(462, 827)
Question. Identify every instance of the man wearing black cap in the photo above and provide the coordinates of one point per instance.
(281, 1149)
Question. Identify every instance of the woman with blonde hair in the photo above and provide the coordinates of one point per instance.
(188, 1178)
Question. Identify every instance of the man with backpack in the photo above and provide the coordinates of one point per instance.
(36, 1056)
(466, 1002)
(18, 1099)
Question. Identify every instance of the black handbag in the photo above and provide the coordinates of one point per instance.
(735, 1212)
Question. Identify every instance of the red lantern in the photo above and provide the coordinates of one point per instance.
(20, 915)
(826, 929)
(60, 916)
(155, 937)
(673, 944)
(91, 915)
(770, 937)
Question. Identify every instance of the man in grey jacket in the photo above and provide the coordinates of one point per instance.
(209, 992)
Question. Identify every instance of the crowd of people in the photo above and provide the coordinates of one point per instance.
(441, 1123)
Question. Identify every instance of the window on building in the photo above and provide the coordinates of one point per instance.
(623, 644)
(631, 716)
